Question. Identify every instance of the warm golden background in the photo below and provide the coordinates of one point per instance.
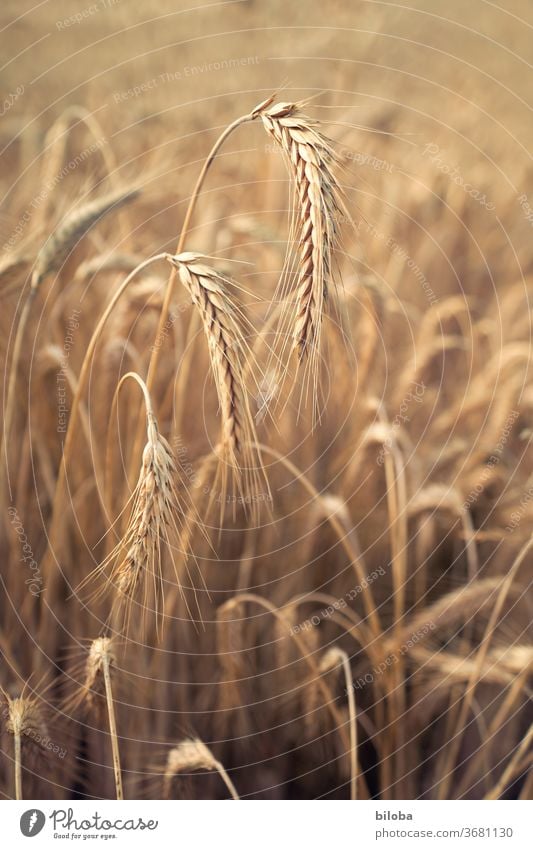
(418, 474)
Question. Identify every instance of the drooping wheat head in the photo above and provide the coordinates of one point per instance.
(189, 756)
(158, 523)
(157, 511)
(222, 323)
(317, 214)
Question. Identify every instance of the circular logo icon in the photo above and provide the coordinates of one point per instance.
(32, 822)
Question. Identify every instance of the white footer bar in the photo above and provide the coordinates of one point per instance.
(268, 825)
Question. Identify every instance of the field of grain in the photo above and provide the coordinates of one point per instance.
(266, 486)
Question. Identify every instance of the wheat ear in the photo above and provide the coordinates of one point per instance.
(192, 755)
(158, 510)
(209, 293)
(24, 718)
(310, 159)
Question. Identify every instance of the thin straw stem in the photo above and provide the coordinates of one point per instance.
(169, 292)
(227, 780)
(352, 710)
(18, 764)
(112, 728)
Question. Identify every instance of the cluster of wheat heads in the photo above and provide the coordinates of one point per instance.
(158, 508)
(190, 649)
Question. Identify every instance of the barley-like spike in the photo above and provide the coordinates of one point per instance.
(160, 512)
(57, 248)
(310, 158)
(208, 290)
(156, 509)
(191, 755)
(25, 721)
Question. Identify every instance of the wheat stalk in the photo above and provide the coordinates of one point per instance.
(516, 763)
(330, 660)
(310, 159)
(231, 651)
(75, 412)
(107, 264)
(98, 673)
(55, 145)
(190, 755)
(505, 589)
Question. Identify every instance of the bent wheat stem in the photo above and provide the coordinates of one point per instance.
(169, 292)
(332, 658)
(57, 516)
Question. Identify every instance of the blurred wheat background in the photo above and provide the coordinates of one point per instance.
(349, 616)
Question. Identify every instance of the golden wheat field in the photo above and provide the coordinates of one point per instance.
(266, 487)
